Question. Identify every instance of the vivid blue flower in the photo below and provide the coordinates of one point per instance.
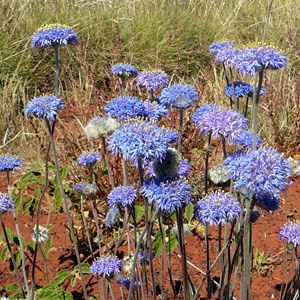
(111, 217)
(227, 56)
(217, 208)
(44, 107)
(54, 35)
(179, 96)
(152, 80)
(241, 89)
(167, 195)
(267, 202)
(88, 159)
(232, 163)
(6, 203)
(290, 233)
(154, 111)
(123, 195)
(9, 163)
(124, 70)
(124, 108)
(199, 113)
(215, 47)
(85, 188)
(223, 122)
(246, 139)
(126, 282)
(140, 138)
(106, 266)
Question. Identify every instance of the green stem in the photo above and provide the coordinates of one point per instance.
(86, 229)
(206, 163)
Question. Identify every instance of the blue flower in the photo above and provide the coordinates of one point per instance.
(6, 203)
(44, 107)
(124, 108)
(106, 266)
(246, 139)
(111, 217)
(54, 35)
(124, 70)
(152, 80)
(85, 188)
(154, 111)
(232, 163)
(267, 202)
(217, 209)
(122, 195)
(167, 195)
(199, 113)
(241, 89)
(227, 56)
(222, 122)
(88, 159)
(126, 282)
(215, 47)
(9, 163)
(290, 233)
(179, 95)
(140, 138)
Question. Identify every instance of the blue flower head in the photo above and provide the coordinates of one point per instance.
(9, 163)
(154, 111)
(124, 108)
(106, 266)
(179, 96)
(199, 113)
(126, 283)
(267, 202)
(54, 35)
(245, 139)
(227, 56)
(152, 80)
(141, 138)
(290, 233)
(85, 188)
(45, 107)
(241, 89)
(124, 70)
(217, 208)
(6, 203)
(167, 195)
(122, 195)
(215, 47)
(88, 159)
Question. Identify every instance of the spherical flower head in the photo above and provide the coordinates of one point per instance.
(124, 108)
(227, 56)
(140, 138)
(6, 203)
(112, 216)
(154, 111)
(44, 107)
(100, 126)
(179, 95)
(54, 35)
(267, 202)
(152, 80)
(232, 164)
(43, 234)
(123, 195)
(241, 89)
(290, 233)
(223, 122)
(215, 47)
(126, 283)
(124, 70)
(88, 159)
(217, 208)
(245, 139)
(167, 195)
(9, 163)
(106, 266)
(85, 188)
(201, 111)
(218, 174)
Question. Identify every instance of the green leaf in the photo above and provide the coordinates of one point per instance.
(51, 292)
(18, 201)
(85, 268)
(4, 254)
(49, 242)
(28, 205)
(157, 243)
(139, 213)
(64, 172)
(16, 296)
(12, 287)
(73, 281)
(18, 258)
(172, 243)
(189, 212)
(57, 200)
(61, 276)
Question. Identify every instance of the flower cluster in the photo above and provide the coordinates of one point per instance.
(6, 203)
(214, 48)
(201, 111)
(88, 159)
(154, 111)
(245, 139)
(122, 195)
(44, 107)
(85, 188)
(240, 89)
(106, 266)
(227, 56)
(217, 209)
(152, 80)
(167, 195)
(124, 70)
(54, 35)
(9, 163)
(179, 95)
(100, 126)
(290, 233)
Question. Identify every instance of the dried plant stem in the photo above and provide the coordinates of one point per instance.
(107, 163)
(86, 229)
(57, 71)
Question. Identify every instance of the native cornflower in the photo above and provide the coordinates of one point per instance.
(6, 203)
(217, 208)
(201, 111)
(88, 159)
(122, 195)
(227, 56)
(126, 283)
(45, 107)
(259, 172)
(245, 139)
(54, 35)
(124, 70)
(112, 217)
(154, 111)
(241, 89)
(9, 163)
(179, 95)
(232, 164)
(290, 233)
(85, 188)
(43, 234)
(215, 47)
(167, 195)
(106, 266)
(141, 138)
(152, 80)
(100, 126)
(267, 202)
(225, 123)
